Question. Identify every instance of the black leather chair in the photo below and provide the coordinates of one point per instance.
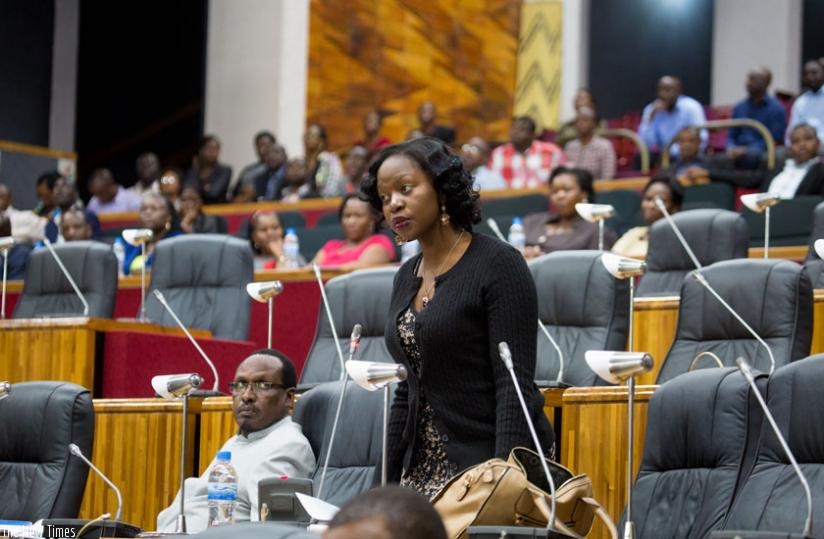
(583, 307)
(790, 222)
(361, 297)
(203, 277)
(700, 433)
(39, 478)
(814, 264)
(356, 451)
(257, 530)
(47, 292)
(773, 296)
(771, 497)
(713, 235)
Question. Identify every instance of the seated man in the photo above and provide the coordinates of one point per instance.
(267, 443)
(745, 146)
(387, 513)
(74, 226)
(668, 114)
(525, 162)
(690, 167)
(803, 172)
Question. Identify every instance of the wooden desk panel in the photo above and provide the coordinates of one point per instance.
(216, 426)
(137, 445)
(654, 325)
(594, 440)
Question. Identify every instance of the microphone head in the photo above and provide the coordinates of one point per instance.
(263, 291)
(622, 267)
(74, 450)
(615, 366)
(137, 236)
(819, 248)
(5, 390)
(594, 212)
(6, 242)
(506, 355)
(759, 202)
(372, 376)
(356, 332)
(172, 386)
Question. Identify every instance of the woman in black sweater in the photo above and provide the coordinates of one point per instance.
(451, 306)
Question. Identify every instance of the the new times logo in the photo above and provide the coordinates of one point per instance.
(47, 531)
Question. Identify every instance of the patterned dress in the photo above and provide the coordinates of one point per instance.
(429, 469)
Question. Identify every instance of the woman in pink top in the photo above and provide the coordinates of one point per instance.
(362, 246)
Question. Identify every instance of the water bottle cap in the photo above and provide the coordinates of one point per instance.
(516, 221)
(291, 230)
(224, 456)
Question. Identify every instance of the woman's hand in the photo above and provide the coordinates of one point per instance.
(187, 220)
(275, 248)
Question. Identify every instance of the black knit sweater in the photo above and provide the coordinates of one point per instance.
(486, 298)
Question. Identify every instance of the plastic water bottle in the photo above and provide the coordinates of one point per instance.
(517, 238)
(120, 254)
(291, 249)
(222, 491)
(409, 249)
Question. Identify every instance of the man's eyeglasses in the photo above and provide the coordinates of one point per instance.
(238, 388)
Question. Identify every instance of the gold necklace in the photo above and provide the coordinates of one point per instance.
(428, 290)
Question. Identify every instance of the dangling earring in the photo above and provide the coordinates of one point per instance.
(399, 239)
(444, 215)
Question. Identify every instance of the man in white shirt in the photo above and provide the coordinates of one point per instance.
(26, 226)
(803, 172)
(267, 444)
(809, 107)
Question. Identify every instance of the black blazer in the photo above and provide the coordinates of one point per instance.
(487, 297)
(812, 184)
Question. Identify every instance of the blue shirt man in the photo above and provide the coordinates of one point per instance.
(668, 114)
(744, 144)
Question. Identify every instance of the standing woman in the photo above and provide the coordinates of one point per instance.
(451, 306)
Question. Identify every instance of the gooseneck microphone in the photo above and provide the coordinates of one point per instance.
(560, 378)
(745, 369)
(496, 229)
(701, 279)
(68, 275)
(79, 454)
(159, 295)
(674, 227)
(506, 357)
(354, 344)
(329, 318)
(6, 243)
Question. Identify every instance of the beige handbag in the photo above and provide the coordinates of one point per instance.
(514, 492)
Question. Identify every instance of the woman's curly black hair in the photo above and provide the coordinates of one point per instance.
(445, 170)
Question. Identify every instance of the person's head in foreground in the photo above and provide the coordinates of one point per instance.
(263, 390)
(387, 513)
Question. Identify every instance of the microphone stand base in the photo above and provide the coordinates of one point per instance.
(104, 528)
(206, 393)
(496, 532)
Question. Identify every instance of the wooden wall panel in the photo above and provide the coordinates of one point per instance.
(394, 54)
(28, 353)
(216, 426)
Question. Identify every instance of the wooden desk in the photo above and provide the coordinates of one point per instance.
(654, 324)
(137, 445)
(594, 441)
(216, 426)
(61, 348)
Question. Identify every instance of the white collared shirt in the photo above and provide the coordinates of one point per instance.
(786, 183)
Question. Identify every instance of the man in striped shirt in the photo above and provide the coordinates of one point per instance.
(525, 162)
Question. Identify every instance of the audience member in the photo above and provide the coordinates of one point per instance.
(803, 172)
(171, 184)
(475, 155)
(158, 215)
(27, 226)
(589, 151)
(427, 114)
(18, 255)
(564, 229)
(690, 167)
(362, 247)
(372, 139)
(249, 174)
(66, 198)
(355, 168)
(635, 241)
(192, 218)
(74, 226)
(668, 114)
(270, 181)
(809, 107)
(147, 167)
(387, 513)
(45, 197)
(325, 172)
(296, 184)
(568, 131)
(266, 239)
(524, 162)
(207, 173)
(745, 146)
(108, 196)
(268, 443)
